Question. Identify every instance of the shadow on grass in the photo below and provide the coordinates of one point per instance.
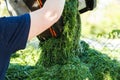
(18, 72)
(100, 66)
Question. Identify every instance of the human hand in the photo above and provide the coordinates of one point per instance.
(45, 17)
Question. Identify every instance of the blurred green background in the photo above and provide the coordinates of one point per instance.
(3, 9)
(101, 27)
(103, 20)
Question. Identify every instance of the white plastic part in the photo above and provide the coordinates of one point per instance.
(82, 4)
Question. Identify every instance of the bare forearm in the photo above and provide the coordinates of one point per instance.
(45, 17)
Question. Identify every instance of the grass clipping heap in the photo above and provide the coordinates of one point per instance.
(60, 56)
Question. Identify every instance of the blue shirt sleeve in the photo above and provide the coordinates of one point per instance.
(14, 33)
(13, 36)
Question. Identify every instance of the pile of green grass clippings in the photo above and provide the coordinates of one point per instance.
(66, 58)
(59, 56)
